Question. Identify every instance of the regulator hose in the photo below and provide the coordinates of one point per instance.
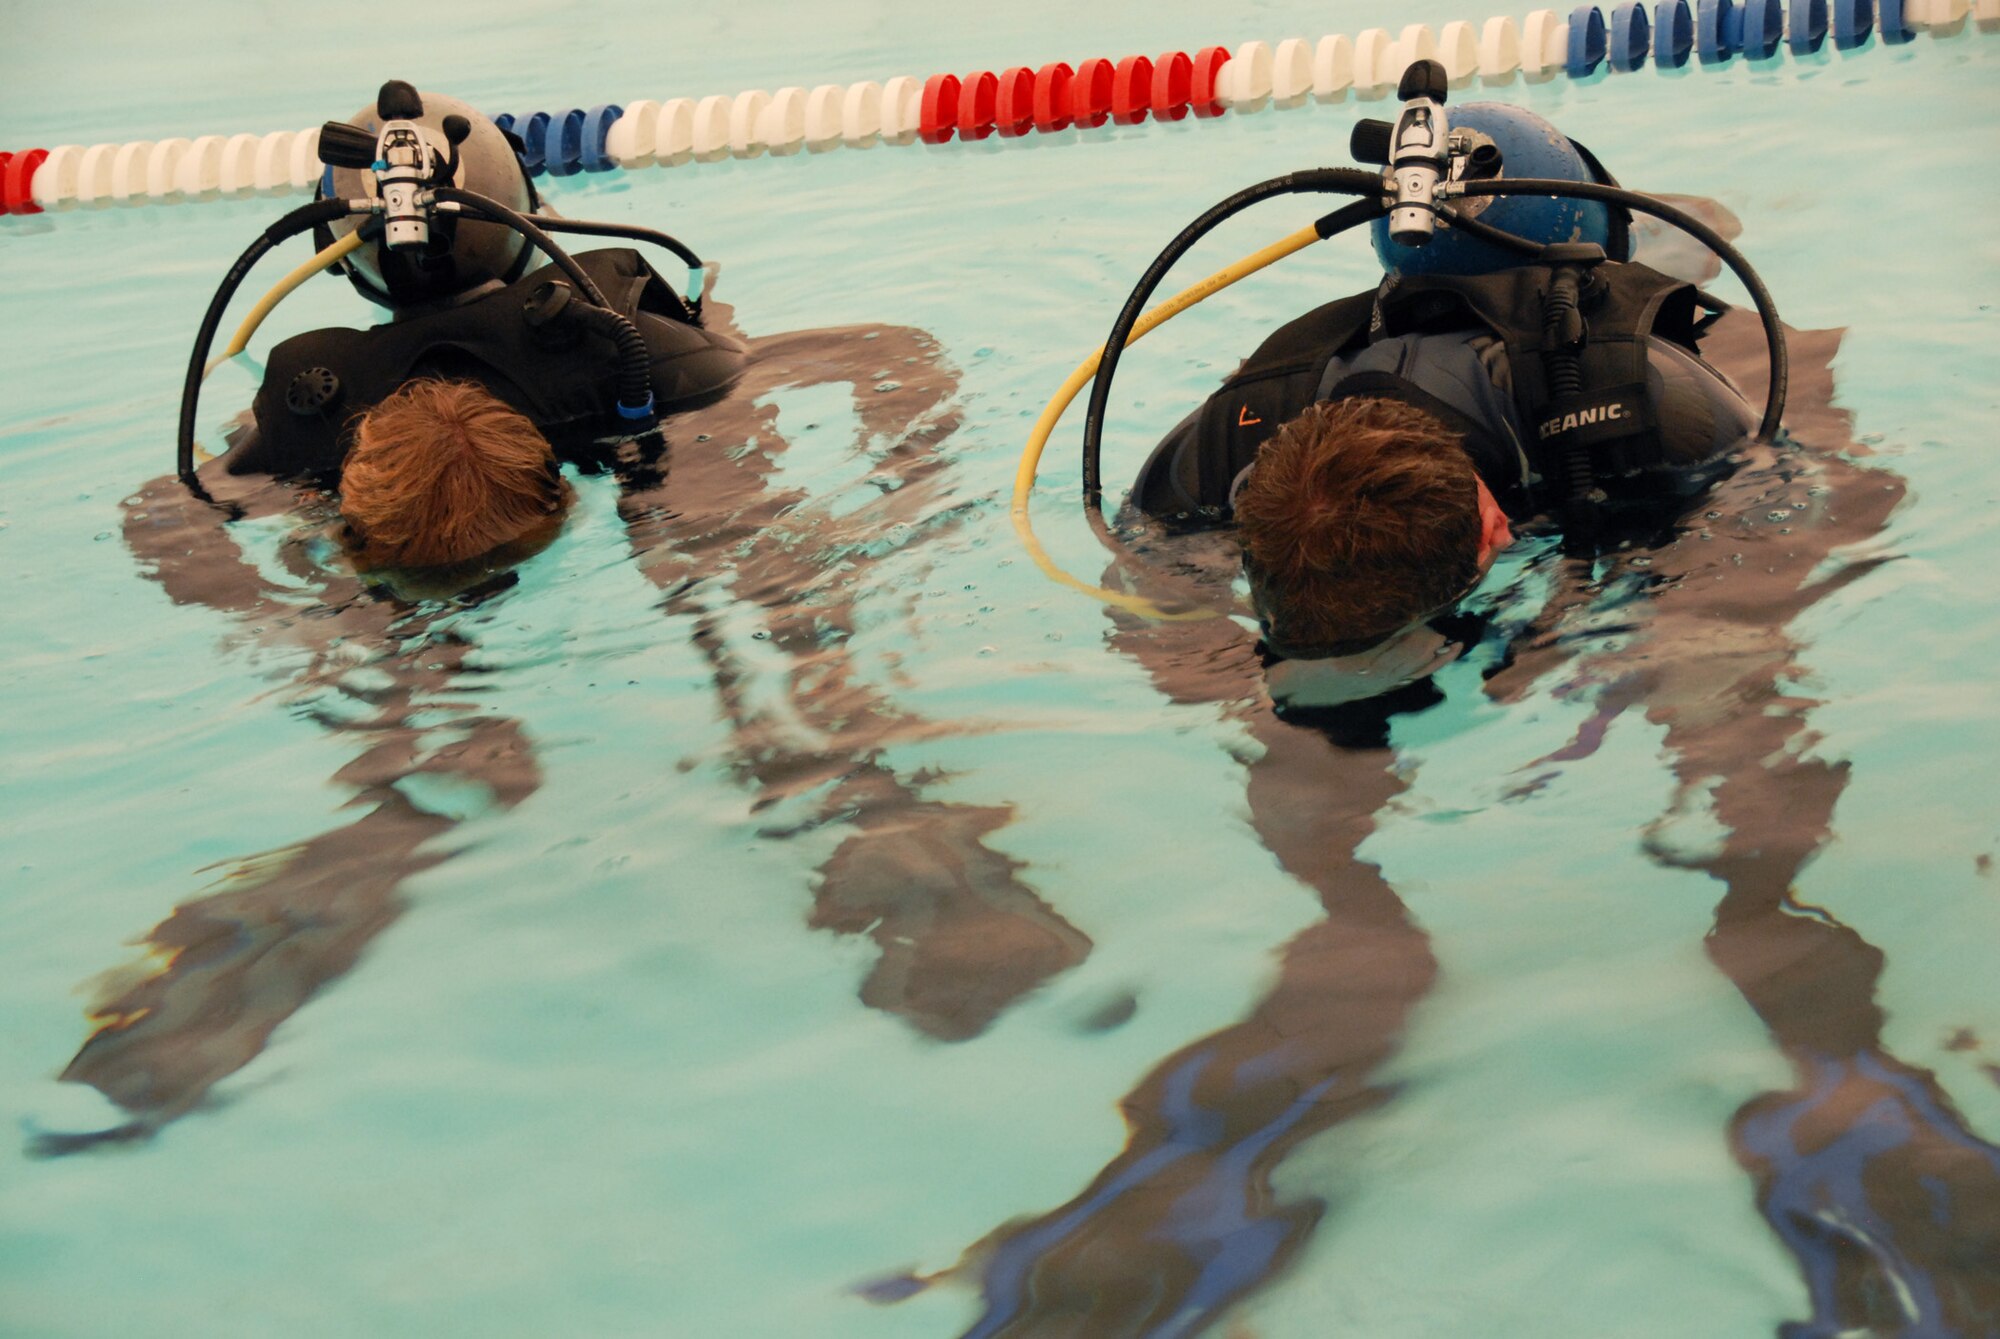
(635, 377)
(324, 259)
(1486, 232)
(302, 219)
(1038, 437)
(1767, 309)
(495, 212)
(1323, 180)
(1562, 333)
(691, 299)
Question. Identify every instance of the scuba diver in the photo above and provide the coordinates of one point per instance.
(442, 429)
(441, 432)
(1375, 454)
(1858, 1160)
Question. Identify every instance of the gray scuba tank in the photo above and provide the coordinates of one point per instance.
(463, 254)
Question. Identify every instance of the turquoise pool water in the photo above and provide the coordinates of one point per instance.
(697, 1017)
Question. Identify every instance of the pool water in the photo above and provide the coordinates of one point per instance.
(785, 913)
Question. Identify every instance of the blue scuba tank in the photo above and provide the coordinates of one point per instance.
(1529, 147)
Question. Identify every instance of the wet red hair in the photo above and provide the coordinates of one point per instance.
(441, 472)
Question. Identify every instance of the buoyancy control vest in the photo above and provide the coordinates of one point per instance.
(1657, 421)
(559, 374)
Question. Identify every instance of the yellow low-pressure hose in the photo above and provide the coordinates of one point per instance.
(279, 292)
(1031, 455)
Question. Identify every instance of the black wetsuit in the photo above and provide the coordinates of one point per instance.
(1660, 422)
(562, 377)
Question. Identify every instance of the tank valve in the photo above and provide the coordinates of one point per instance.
(1419, 153)
(405, 167)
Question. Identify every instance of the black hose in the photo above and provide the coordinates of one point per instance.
(1328, 225)
(1486, 232)
(495, 212)
(1324, 180)
(1767, 310)
(630, 232)
(299, 220)
(635, 376)
(1562, 332)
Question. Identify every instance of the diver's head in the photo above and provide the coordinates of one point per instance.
(1359, 518)
(462, 253)
(442, 473)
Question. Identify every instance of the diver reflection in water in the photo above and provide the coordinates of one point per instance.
(449, 479)
(1863, 1167)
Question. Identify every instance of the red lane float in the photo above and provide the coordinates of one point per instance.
(1052, 96)
(978, 95)
(1131, 90)
(1014, 109)
(1173, 83)
(1205, 79)
(938, 112)
(17, 181)
(1090, 93)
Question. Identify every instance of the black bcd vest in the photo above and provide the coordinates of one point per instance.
(1622, 305)
(562, 377)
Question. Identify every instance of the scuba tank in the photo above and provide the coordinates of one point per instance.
(460, 254)
(1526, 146)
(425, 201)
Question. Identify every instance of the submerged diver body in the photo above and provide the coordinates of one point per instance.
(960, 936)
(1863, 1168)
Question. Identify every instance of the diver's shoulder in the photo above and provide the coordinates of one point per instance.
(1323, 330)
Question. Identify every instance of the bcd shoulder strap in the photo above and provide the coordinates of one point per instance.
(317, 384)
(1274, 384)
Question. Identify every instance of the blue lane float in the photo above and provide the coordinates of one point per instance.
(1586, 41)
(1716, 31)
(1853, 23)
(1631, 36)
(562, 152)
(1806, 28)
(597, 123)
(1893, 18)
(532, 129)
(1763, 28)
(1673, 34)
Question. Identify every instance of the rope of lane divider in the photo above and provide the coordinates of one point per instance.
(1019, 101)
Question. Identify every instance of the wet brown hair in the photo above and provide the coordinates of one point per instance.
(441, 472)
(1359, 516)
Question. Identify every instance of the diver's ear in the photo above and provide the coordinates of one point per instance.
(1495, 534)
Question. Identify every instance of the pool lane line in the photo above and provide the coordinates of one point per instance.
(1020, 101)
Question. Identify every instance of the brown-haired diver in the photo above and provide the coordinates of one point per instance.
(1862, 1166)
(431, 450)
